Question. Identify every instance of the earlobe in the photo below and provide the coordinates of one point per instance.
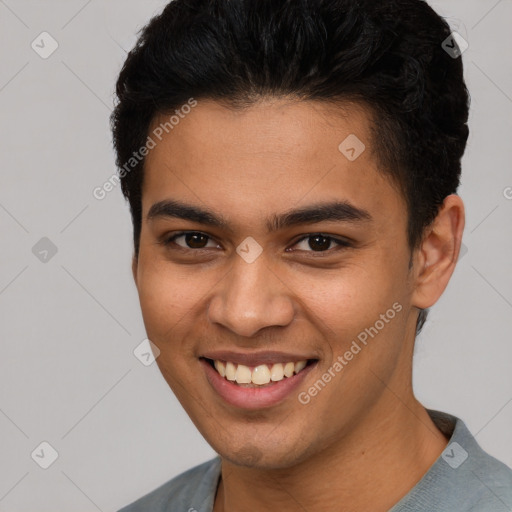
(439, 251)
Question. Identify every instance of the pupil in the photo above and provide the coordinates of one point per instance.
(319, 242)
(196, 240)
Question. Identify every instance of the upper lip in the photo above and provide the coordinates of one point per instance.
(255, 358)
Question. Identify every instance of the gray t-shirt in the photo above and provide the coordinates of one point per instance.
(464, 478)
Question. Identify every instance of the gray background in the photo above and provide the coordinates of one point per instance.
(69, 324)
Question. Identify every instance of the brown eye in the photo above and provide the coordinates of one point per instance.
(196, 240)
(191, 240)
(318, 242)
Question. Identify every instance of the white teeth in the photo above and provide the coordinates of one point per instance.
(221, 368)
(289, 368)
(243, 374)
(230, 371)
(299, 365)
(260, 375)
(277, 372)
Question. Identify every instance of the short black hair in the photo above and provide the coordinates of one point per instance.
(387, 56)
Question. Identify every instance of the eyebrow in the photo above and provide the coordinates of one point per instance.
(338, 211)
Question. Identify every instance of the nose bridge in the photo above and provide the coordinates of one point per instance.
(251, 297)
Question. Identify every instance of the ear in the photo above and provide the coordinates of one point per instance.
(435, 260)
(135, 262)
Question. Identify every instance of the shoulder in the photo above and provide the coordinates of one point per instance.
(192, 490)
(486, 480)
(464, 478)
(492, 484)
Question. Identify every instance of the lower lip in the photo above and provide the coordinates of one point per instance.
(254, 398)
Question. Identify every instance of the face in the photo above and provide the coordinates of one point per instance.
(262, 245)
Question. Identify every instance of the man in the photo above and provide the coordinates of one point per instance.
(291, 168)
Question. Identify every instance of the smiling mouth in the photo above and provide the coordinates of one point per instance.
(259, 376)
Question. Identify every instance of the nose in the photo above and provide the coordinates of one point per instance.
(251, 297)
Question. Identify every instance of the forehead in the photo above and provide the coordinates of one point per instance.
(283, 128)
(271, 156)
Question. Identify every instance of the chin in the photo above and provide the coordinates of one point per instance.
(263, 456)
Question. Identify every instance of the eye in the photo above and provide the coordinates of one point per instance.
(191, 240)
(318, 242)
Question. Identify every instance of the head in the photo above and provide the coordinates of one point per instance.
(247, 112)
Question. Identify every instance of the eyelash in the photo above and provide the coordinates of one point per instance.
(168, 242)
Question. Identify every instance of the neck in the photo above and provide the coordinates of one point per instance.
(372, 468)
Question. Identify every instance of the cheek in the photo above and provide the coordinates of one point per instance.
(168, 302)
(362, 302)
(166, 296)
(362, 320)
(347, 297)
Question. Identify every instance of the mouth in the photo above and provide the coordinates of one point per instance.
(259, 376)
(255, 383)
